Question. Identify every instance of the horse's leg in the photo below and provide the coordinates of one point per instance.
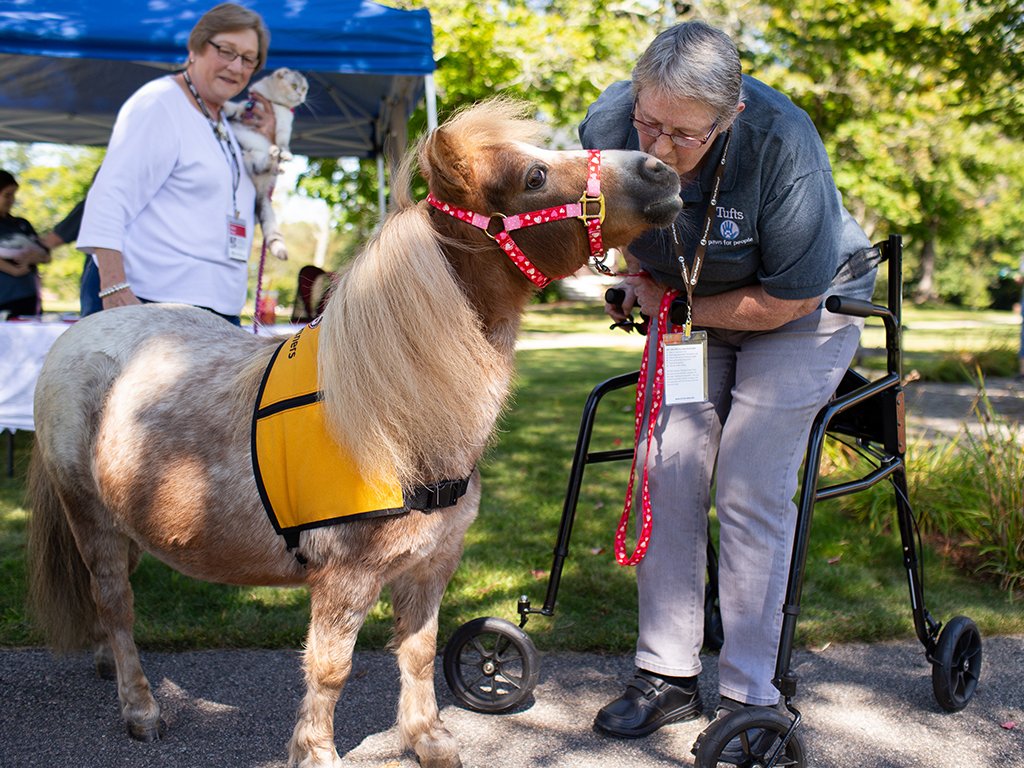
(416, 596)
(103, 654)
(79, 582)
(110, 557)
(339, 600)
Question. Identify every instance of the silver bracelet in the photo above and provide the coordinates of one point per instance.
(113, 289)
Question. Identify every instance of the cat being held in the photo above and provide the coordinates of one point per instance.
(285, 89)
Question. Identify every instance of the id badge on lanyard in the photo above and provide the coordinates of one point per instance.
(686, 368)
(237, 240)
(686, 354)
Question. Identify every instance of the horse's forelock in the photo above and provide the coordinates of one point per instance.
(450, 156)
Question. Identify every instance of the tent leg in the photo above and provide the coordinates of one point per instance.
(430, 95)
(10, 451)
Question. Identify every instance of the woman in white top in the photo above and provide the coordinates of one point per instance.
(170, 215)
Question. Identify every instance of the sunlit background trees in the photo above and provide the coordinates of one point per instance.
(919, 102)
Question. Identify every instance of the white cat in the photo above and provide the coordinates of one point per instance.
(285, 89)
(16, 245)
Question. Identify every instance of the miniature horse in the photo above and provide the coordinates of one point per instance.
(144, 419)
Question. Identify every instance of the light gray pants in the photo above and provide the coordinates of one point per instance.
(765, 389)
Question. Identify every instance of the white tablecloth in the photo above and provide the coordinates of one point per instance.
(23, 346)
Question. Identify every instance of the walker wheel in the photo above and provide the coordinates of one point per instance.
(490, 665)
(957, 664)
(748, 738)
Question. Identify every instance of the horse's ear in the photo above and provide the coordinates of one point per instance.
(444, 165)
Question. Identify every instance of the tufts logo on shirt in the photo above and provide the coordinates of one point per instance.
(729, 230)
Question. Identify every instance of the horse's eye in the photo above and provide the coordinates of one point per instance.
(536, 177)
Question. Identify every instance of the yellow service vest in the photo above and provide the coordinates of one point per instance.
(304, 477)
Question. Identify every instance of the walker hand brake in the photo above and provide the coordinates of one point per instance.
(615, 297)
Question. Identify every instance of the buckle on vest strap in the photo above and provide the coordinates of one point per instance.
(445, 493)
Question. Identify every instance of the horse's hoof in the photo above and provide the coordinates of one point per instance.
(147, 733)
(442, 763)
(438, 750)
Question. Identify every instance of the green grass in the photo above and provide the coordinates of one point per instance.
(855, 588)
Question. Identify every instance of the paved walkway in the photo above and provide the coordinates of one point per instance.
(864, 706)
(935, 410)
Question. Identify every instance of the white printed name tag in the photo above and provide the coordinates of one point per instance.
(686, 368)
(236, 239)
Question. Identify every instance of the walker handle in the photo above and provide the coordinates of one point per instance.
(615, 297)
(844, 305)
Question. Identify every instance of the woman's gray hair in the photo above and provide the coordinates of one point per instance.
(693, 60)
(230, 17)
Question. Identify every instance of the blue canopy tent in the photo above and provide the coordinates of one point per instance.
(66, 66)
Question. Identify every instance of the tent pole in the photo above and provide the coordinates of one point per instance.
(430, 94)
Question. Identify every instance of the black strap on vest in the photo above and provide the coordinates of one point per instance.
(444, 493)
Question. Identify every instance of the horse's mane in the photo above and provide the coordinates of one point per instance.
(411, 384)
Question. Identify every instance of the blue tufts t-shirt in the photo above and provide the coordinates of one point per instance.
(779, 222)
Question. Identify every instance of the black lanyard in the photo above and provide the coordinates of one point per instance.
(690, 277)
(220, 133)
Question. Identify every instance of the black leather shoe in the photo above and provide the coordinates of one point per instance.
(648, 703)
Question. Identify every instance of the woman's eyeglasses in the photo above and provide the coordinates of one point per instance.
(227, 56)
(654, 132)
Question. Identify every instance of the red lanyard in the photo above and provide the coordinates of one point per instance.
(657, 391)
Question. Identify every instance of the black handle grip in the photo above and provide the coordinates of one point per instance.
(844, 305)
(615, 296)
(677, 311)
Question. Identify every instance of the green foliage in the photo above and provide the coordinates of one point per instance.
(894, 90)
(919, 103)
(947, 344)
(52, 180)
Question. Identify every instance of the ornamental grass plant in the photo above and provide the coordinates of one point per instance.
(968, 494)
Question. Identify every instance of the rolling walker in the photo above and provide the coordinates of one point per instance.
(491, 665)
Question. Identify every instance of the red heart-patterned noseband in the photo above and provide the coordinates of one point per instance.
(591, 195)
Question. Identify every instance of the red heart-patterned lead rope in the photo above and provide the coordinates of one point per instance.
(643, 539)
(577, 210)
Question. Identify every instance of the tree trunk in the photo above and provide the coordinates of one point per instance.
(925, 290)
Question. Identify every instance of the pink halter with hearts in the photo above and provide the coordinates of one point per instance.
(591, 195)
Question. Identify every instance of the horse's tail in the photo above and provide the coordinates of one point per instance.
(59, 596)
